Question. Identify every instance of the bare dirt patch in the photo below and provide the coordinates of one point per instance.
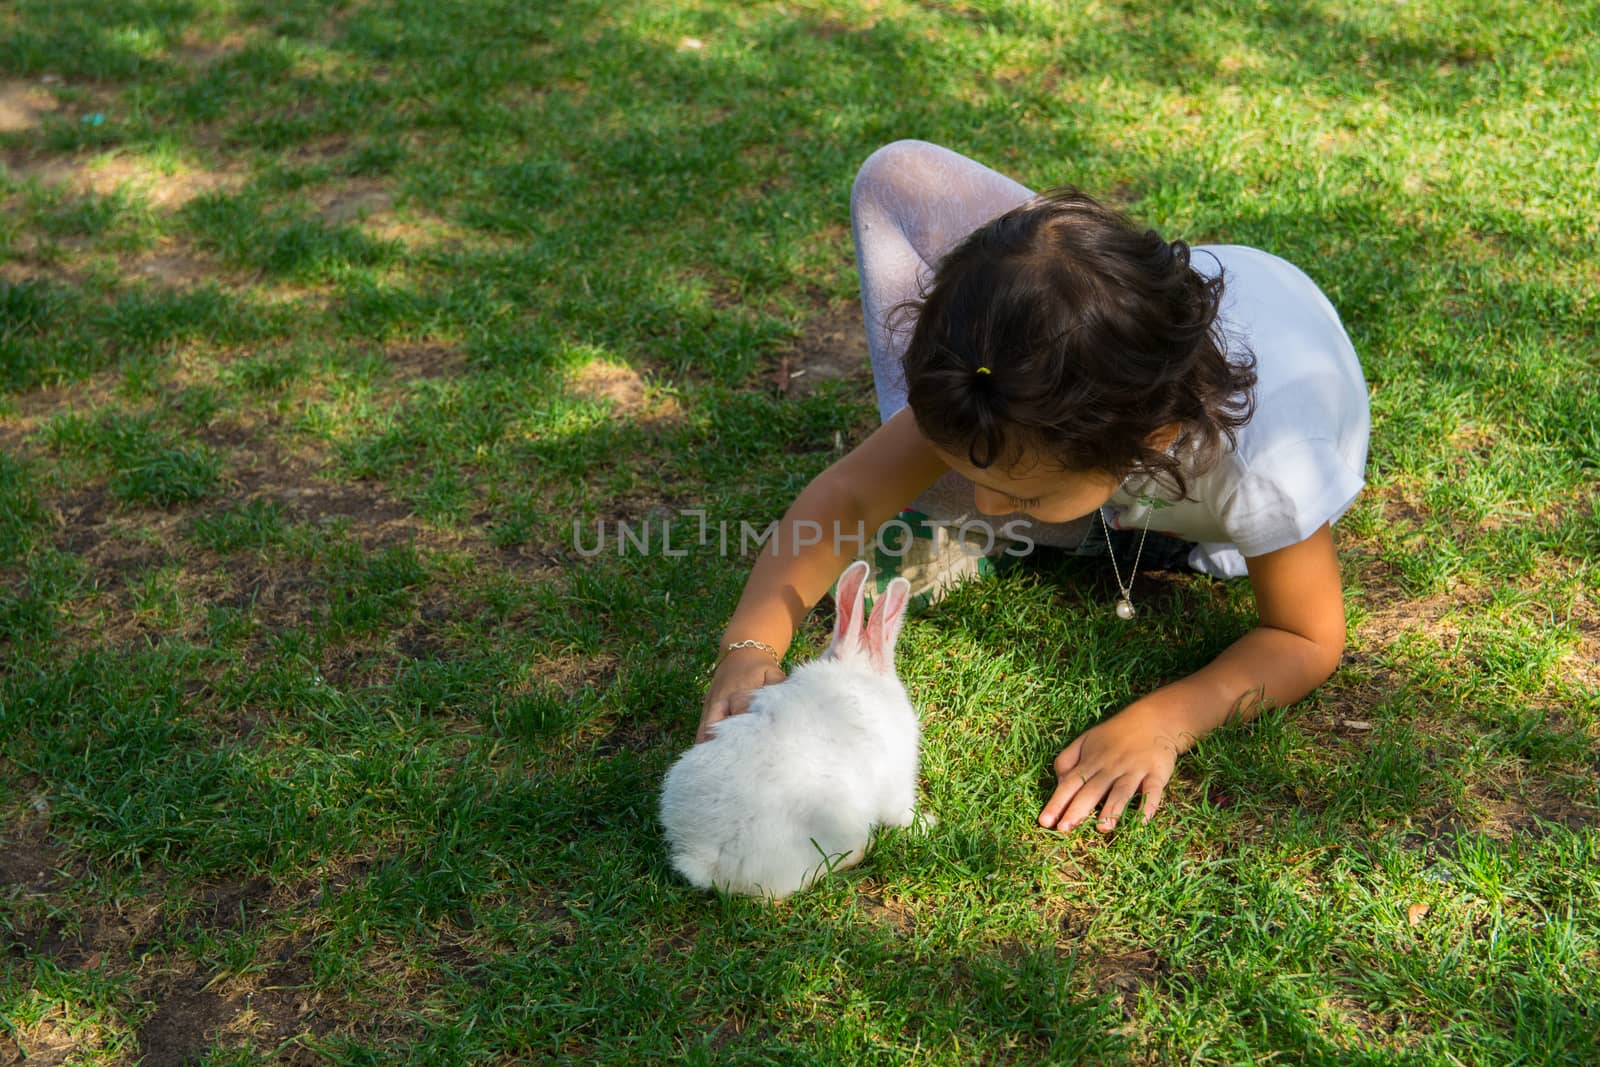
(1389, 612)
(103, 174)
(185, 1021)
(188, 1013)
(372, 206)
(269, 1008)
(170, 268)
(621, 386)
(373, 514)
(1443, 618)
(28, 866)
(1540, 806)
(231, 904)
(625, 390)
(178, 266)
(91, 531)
(118, 543)
(264, 470)
(196, 51)
(889, 913)
(34, 260)
(831, 348)
(1582, 665)
(24, 105)
(355, 200)
(47, 1043)
(631, 736)
(830, 27)
(428, 359)
(1127, 972)
(283, 1003)
(569, 673)
(1430, 617)
(88, 939)
(32, 409)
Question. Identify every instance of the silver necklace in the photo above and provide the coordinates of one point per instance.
(1125, 605)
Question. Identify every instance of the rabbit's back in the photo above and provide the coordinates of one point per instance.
(794, 786)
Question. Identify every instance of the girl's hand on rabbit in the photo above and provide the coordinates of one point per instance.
(741, 674)
(1131, 752)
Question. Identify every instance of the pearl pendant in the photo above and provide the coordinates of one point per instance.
(1125, 609)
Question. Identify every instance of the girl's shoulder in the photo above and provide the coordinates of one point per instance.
(1273, 309)
(1252, 267)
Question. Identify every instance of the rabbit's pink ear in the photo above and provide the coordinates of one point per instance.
(847, 610)
(883, 628)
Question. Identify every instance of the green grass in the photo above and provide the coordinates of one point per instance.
(320, 739)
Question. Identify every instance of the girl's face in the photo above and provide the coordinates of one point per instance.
(1036, 488)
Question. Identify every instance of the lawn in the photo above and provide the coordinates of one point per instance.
(331, 333)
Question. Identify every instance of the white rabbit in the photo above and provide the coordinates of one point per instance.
(793, 788)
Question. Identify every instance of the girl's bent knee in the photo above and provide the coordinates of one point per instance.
(886, 168)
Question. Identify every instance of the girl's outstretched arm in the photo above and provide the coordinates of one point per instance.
(832, 520)
(1296, 646)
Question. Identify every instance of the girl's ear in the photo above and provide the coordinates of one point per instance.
(847, 610)
(1162, 438)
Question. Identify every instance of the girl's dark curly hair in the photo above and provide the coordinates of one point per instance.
(1061, 330)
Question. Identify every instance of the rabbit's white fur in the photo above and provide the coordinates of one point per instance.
(794, 787)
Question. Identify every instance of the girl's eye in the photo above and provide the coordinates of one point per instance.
(1023, 505)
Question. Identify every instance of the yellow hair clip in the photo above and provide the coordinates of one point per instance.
(983, 370)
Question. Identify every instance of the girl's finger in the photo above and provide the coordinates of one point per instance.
(1067, 786)
(1068, 758)
(1152, 799)
(1088, 797)
(1122, 791)
(713, 715)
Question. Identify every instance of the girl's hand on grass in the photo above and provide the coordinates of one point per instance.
(1132, 752)
(741, 674)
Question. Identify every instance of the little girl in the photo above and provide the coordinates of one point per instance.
(1068, 373)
